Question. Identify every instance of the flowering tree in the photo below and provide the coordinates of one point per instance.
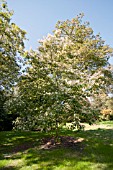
(69, 66)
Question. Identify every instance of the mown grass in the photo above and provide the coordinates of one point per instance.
(22, 151)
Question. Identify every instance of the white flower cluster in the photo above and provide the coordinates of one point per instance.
(47, 41)
(57, 32)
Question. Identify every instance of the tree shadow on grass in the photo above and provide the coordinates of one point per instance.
(97, 148)
(14, 144)
(9, 168)
(100, 147)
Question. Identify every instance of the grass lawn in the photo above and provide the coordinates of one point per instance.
(92, 150)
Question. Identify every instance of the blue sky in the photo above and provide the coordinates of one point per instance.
(38, 17)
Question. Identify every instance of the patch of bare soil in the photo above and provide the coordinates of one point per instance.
(22, 147)
(63, 141)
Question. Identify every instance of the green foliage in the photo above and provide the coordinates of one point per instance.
(2, 111)
(107, 111)
(5, 118)
(11, 43)
(104, 103)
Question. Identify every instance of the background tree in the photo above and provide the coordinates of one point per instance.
(107, 110)
(69, 66)
(11, 44)
(11, 47)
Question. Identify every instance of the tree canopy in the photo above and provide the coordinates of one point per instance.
(69, 66)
